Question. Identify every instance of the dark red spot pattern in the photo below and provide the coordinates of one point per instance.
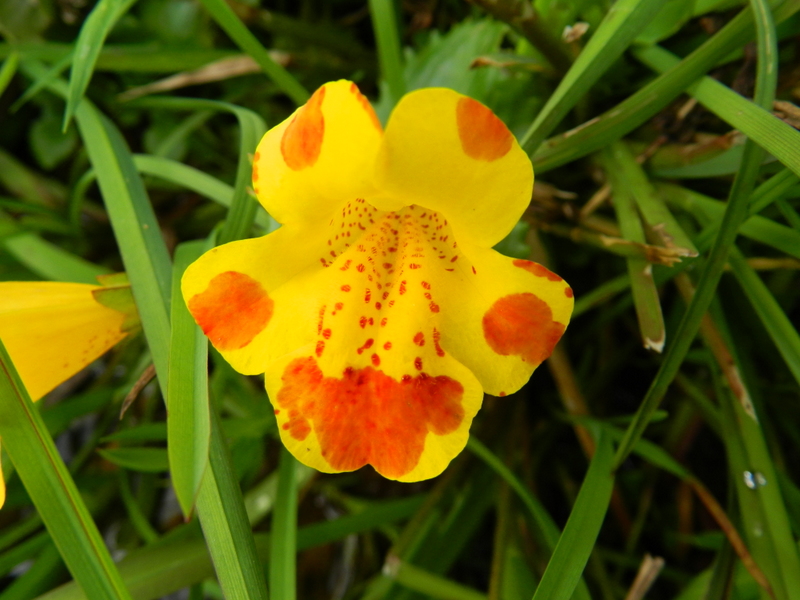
(366, 417)
(232, 310)
(522, 325)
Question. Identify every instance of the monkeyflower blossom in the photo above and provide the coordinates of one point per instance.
(379, 313)
(52, 330)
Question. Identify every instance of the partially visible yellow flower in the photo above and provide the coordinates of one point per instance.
(378, 312)
(52, 330)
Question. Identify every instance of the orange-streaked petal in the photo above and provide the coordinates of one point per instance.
(53, 330)
(451, 154)
(320, 156)
(503, 317)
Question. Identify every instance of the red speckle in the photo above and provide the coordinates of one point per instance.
(345, 288)
(502, 394)
(537, 269)
(434, 307)
(384, 320)
(387, 265)
(326, 334)
(367, 417)
(376, 360)
(522, 325)
(419, 339)
(454, 259)
(360, 268)
(568, 292)
(321, 318)
(367, 295)
(426, 285)
(402, 288)
(436, 337)
(320, 348)
(387, 346)
(301, 142)
(414, 266)
(418, 364)
(232, 310)
(346, 264)
(363, 322)
(377, 305)
(277, 412)
(338, 306)
(367, 345)
(385, 295)
(474, 272)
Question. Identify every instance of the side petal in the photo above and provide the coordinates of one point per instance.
(503, 317)
(321, 155)
(451, 154)
(53, 330)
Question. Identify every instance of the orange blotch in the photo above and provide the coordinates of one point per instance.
(232, 310)
(376, 360)
(483, 136)
(419, 339)
(522, 325)
(568, 292)
(365, 104)
(537, 269)
(302, 139)
(366, 417)
(387, 346)
(255, 172)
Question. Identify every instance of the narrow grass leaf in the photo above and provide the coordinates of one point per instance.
(52, 490)
(583, 526)
(225, 17)
(384, 24)
(94, 31)
(243, 206)
(188, 417)
(622, 23)
(8, 70)
(429, 584)
(143, 460)
(226, 527)
(283, 554)
(640, 272)
(51, 262)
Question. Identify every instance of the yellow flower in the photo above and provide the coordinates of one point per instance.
(378, 312)
(52, 330)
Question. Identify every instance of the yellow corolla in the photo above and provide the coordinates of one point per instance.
(52, 330)
(378, 312)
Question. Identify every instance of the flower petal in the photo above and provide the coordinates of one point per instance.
(322, 154)
(503, 317)
(53, 330)
(451, 154)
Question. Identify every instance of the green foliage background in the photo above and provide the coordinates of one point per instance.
(666, 424)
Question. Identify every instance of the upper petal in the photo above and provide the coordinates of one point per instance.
(322, 154)
(52, 330)
(451, 154)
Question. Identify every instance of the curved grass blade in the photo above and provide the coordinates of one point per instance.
(90, 40)
(624, 21)
(227, 19)
(8, 70)
(283, 553)
(251, 128)
(52, 490)
(583, 526)
(50, 261)
(188, 417)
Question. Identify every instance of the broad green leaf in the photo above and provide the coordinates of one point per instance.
(143, 460)
(385, 26)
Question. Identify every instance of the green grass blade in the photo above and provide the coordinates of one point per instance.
(50, 261)
(782, 331)
(384, 23)
(230, 23)
(429, 584)
(8, 70)
(283, 553)
(188, 420)
(583, 526)
(225, 525)
(623, 22)
(735, 214)
(93, 33)
(776, 137)
(243, 206)
(52, 490)
(650, 99)
(640, 272)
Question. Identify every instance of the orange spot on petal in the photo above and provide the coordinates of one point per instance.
(232, 310)
(367, 417)
(522, 325)
(302, 139)
(568, 292)
(537, 269)
(365, 104)
(483, 135)
(419, 339)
